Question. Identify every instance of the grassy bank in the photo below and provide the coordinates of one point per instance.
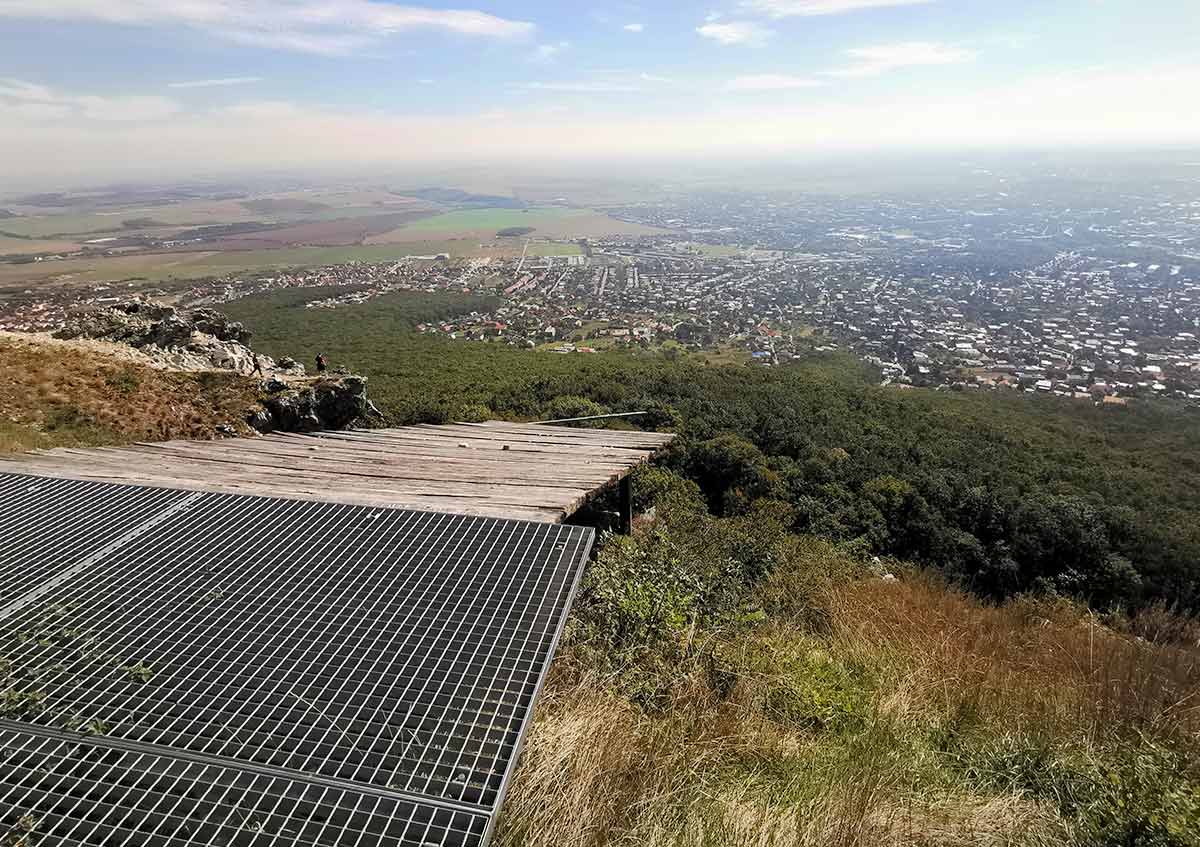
(820, 704)
(54, 394)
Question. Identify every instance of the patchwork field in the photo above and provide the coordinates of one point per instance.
(284, 208)
(164, 236)
(40, 246)
(91, 223)
(547, 222)
(322, 233)
(160, 267)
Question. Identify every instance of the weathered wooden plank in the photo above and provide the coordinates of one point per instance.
(464, 501)
(560, 435)
(488, 439)
(445, 470)
(425, 504)
(610, 436)
(460, 444)
(350, 451)
(134, 465)
(495, 469)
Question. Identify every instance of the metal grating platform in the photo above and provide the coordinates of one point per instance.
(48, 525)
(59, 792)
(387, 658)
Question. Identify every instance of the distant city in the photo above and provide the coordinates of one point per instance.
(1084, 294)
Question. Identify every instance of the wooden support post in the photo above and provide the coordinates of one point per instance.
(626, 504)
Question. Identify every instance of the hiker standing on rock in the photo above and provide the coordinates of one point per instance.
(321, 364)
(258, 368)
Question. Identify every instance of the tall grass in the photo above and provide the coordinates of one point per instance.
(1024, 662)
(860, 713)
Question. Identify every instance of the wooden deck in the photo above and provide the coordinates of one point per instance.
(519, 471)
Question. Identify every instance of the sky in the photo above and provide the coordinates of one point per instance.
(168, 88)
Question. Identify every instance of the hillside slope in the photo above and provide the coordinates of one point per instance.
(87, 393)
(1007, 493)
(729, 678)
(727, 683)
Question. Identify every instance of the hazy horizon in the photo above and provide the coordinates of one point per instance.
(114, 89)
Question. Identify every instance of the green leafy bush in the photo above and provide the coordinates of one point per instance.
(567, 407)
(473, 413)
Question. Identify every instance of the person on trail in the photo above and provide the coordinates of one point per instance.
(321, 364)
(258, 368)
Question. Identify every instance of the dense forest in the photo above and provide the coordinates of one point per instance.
(1006, 494)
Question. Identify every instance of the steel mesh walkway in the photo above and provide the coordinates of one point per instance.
(257, 671)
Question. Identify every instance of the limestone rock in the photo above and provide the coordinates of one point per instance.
(191, 340)
(325, 404)
(205, 340)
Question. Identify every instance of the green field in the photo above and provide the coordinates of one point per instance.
(197, 213)
(469, 220)
(42, 227)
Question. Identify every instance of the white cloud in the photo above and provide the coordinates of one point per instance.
(1112, 107)
(603, 81)
(331, 27)
(550, 52)
(873, 61)
(33, 102)
(810, 8)
(736, 33)
(216, 83)
(770, 82)
(585, 87)
(634, 27)
(265, 110)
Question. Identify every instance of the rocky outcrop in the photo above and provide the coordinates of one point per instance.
(207, 340)
(307, 407)
(192, 340)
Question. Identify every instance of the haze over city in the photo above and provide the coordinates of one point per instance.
(126, 87)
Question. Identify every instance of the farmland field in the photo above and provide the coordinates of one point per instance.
(303, 206)
(31, 246)
(547, 222)
(158, 267)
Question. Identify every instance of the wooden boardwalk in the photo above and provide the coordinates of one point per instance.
(503, 470)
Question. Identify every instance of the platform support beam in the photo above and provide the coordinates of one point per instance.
(626, 504)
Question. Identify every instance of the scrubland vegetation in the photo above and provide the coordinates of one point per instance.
(1005, 494)
(852, 616)
(727, 682)
(858, 616)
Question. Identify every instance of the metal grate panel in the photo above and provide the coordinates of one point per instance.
(366, 647)
(47, 525)
(80, 794)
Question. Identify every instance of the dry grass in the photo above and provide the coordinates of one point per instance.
(55, 395)
(597, 771)
(717, 766)
(1025, 662)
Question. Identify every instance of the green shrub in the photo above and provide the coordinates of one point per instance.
(810, 689)
(1142, 797)
(567, 407)
(645, 590)
(473, 413)
(659, 488)
(1131, 792)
